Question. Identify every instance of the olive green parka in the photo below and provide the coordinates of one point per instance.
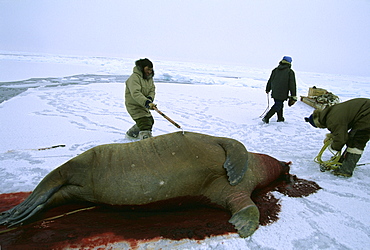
(282, 81)
(353, 114)
(138, 92)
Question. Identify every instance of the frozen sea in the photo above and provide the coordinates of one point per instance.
(48, 100)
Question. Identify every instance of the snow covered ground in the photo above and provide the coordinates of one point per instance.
(78, 102)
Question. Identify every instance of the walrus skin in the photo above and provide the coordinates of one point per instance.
(157, 169)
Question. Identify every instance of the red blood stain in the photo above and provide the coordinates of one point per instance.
(104, 225)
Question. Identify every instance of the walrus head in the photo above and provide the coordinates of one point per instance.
(286, 176)
(293, 186)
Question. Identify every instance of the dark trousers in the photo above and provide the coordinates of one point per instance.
(279, 105)
(358, 138)
(276, 108)
(145, 123)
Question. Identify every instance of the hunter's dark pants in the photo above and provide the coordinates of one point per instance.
(358, 138)
(279, 105)
(145, 123)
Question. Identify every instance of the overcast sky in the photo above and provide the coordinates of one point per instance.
(323, 36)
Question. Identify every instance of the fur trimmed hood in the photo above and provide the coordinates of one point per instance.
(141, 64)
(316, 119)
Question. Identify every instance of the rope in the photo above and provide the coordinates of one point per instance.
(268, 106)
(329, 164)
(51, 218)
(37, 149)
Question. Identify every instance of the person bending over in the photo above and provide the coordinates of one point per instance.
(349, 124)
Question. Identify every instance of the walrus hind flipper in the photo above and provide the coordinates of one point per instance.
(246, 221)
(28, 208)
(236, 163)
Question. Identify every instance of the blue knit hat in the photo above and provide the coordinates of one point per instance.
(310, 120)
(288, 59)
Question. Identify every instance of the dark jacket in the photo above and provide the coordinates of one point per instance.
(281, 81)
(138, 92)
(340, 118)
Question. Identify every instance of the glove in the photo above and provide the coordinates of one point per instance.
(152, 106)
(292, 100)
(328, 137)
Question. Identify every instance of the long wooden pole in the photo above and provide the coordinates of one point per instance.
(169, 119)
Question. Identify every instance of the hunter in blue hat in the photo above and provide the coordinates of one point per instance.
(281, 82)
(288, 59)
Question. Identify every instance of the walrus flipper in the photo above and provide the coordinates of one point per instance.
(246, 221)
(236, 163)
(31, 206)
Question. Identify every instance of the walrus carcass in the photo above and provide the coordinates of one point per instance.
(161, 168)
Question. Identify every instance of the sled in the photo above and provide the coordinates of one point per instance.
(320, 98)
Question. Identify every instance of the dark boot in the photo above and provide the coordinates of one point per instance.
(267, 117)
(348, 165)
(133, 131)
(280, 116)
